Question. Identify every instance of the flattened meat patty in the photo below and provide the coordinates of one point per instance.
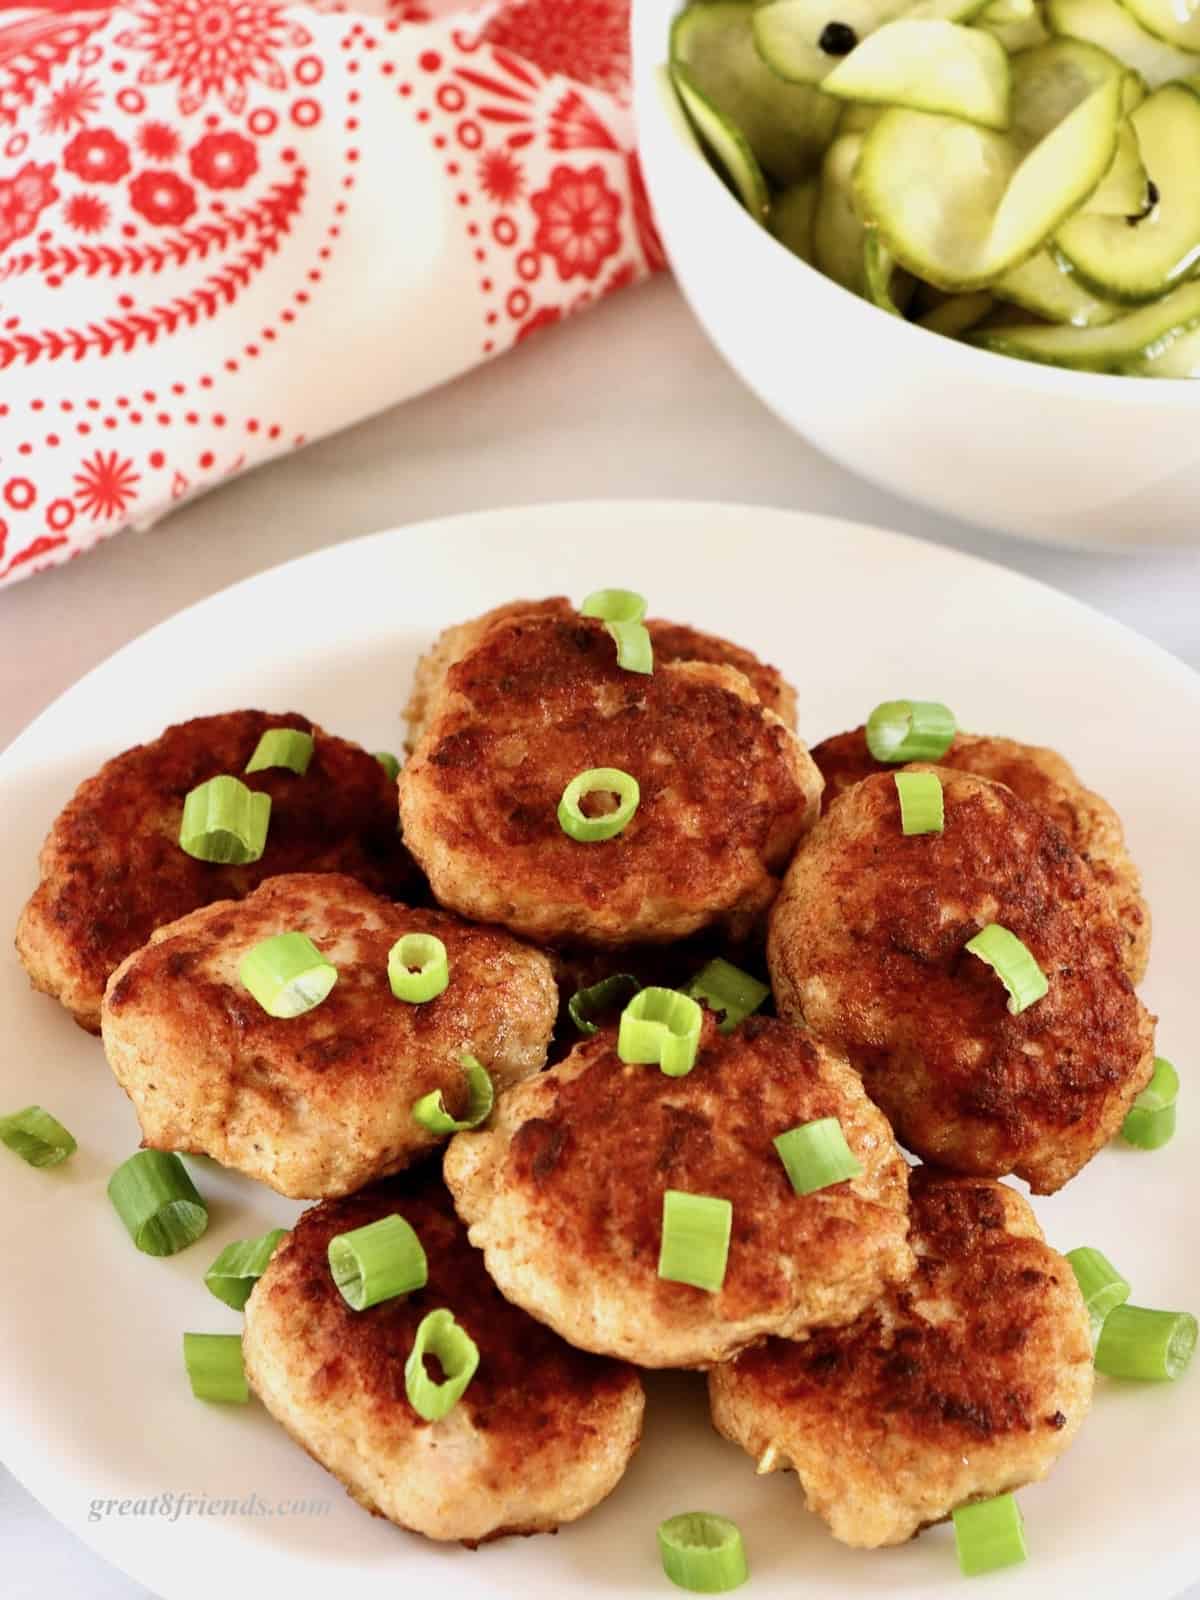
(726, 790)
(673, 641)
(867, 944)
(968, 1381)
(319, 1104)
(563, 1192)
(112, 869)
(542, 1434)
(1049, 782)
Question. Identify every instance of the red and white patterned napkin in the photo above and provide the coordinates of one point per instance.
(230, 226)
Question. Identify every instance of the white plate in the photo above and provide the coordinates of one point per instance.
(94, 1403)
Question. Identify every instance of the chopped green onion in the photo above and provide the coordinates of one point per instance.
(1151, 1345)
(418, 968)
(439, 1335)
(922, 804)
(37, 1137)
(377, 1262)
(910, 730)
(1013, 965)
(224, 821)
(1150, 1122)
(702, 1552)
(240, 1265)
(614, 605)
(430, 1110)
(215, 1368)
(727, 988)
(989, 1535)
(598, 780)
(663, 1026)
(1101, 1285)
(635, 649)
(158, 1202)
(287, 975)
(389, 763)
(695, 1239)
(604, 996)
(816, 1155)
(282, 747)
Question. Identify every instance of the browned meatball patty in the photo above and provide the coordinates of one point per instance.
(318, 1104)
(867, 943)
(673, 641)
(1047, 781)
(726, 790)
(542, 1434)
(563, 1192)
(968, 1381)
(112, 869)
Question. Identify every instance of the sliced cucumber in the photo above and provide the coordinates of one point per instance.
(788, 33)
(960, 205)
(1176, 21)
(1135, 263)
(786, 125)
(1040, 285)
(837, 230)
(1025, 34)
(725, 144)
(879, 265)
(1124, 346)
(928, 65)
(1108, 24)
(957, 314)
(1050, 82)
(1181, 359)
(1124, 190)
(791, 218)
(1002, 13)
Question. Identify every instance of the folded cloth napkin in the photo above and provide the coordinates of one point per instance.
(230, 226)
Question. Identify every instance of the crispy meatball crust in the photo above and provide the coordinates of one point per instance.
(1049, 782)
(112, 869)
(867, 942)
(968, 1381)
(542, 1434)
(726, 790)
(673, 641)
(563, 1192)
(319, 1104)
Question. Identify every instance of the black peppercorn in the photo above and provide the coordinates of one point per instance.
(837, 39)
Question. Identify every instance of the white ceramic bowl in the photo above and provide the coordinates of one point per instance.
(1068, 457)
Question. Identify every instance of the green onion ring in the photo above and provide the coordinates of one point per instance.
(922, 803)
(389, 763)
(225, 822)
(1154, 1346)
(614, 605)
(910, 730)
(600, 997)
(696, 1229)
(635, 649)
(158, 1202)
(1013, 964)
(239, 1266)
(282, 747)
(1101, 1285)
(377, 1262)
(989, 1535)
(661, 1026)
(727, 988)
(418, 968)
(702, 1552)
(287, 975)
(215, 1367)
(430, 1110)
(439, 1335)
(37, 1137)
(598, 780)
(816, 1155)
(1150, 1121)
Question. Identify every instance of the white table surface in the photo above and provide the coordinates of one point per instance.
(628, 401)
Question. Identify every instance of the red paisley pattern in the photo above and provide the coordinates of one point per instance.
(189, 190)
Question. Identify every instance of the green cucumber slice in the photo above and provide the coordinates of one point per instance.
(1124, 346)
(1181, 359)
(725, 144)
(1040, 285)
(837, 228)
(1176, 21)
(788, 32)
(1050, 82)
(1108, 24)
(788, 126)
(1025, 34)
(959, 205)
(791, 218)
(1138, 263)
(1124, 190)
(957, 314)
(928, 65)
(878, 266)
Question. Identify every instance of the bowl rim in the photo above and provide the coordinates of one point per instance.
(651, 82)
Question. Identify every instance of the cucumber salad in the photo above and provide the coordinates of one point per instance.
(1023, 175)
